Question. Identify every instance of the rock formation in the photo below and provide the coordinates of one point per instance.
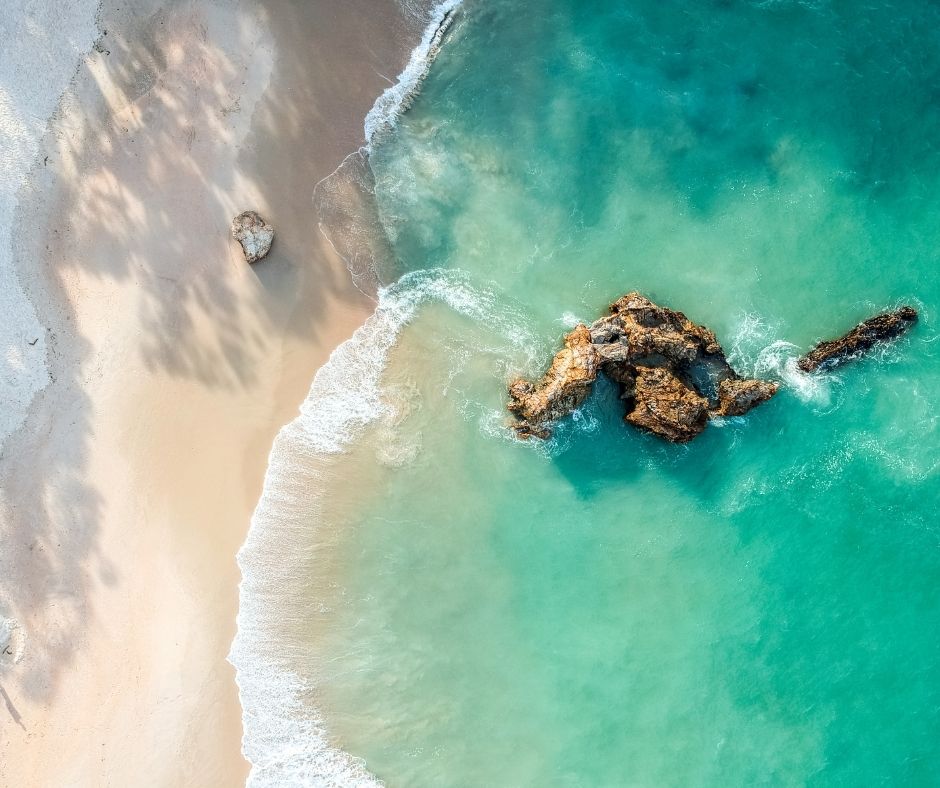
(658, 402)
(736, 397)
(673, 374)
(562, 389)
(860, 340)
(254, 234)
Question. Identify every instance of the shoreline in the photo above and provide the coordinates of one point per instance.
(285, 737)
(173, 365)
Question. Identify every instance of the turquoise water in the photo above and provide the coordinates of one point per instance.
(759, 607)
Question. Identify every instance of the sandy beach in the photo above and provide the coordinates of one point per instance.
(129, 487)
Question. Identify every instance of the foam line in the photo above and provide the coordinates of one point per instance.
(399, 97)
(284, 738)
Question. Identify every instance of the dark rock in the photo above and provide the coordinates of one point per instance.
(860, 340)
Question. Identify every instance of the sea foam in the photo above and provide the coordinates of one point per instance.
(400, 96)
(755, 352)
(345, 200)
(284, 738)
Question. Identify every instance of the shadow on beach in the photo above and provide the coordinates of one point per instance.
(134, 190)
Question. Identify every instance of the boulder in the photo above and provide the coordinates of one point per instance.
(562, 389)
(859, 341)
(736, 396)
(254, 234)
(660, 403)
(12, 642)
(672, 372)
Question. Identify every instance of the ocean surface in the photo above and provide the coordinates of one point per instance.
(430, 602)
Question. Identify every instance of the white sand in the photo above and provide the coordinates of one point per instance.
(42, 44)
(129, 487)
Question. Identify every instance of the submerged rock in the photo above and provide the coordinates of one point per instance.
(858, 341)
(254, 234)
(673, 374)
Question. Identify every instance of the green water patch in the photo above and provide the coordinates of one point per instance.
(757, 607)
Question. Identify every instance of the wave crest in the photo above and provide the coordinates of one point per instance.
(284, 738)
(400, 96)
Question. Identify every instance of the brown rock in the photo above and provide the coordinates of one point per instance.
(665, 406)
(638, 315)
(562, 389)
(736, 396)
(673, 373)
(860, 340)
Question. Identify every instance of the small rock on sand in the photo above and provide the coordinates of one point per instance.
(254, 234)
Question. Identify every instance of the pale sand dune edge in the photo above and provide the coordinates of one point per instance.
(128, 489)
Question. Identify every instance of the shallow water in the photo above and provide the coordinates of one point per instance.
(757, 607)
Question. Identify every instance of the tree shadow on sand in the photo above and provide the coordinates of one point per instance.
(132, 179)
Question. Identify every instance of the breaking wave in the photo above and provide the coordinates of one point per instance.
(400, 96)
(345, 201)
(284, 739)
(756, 353)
